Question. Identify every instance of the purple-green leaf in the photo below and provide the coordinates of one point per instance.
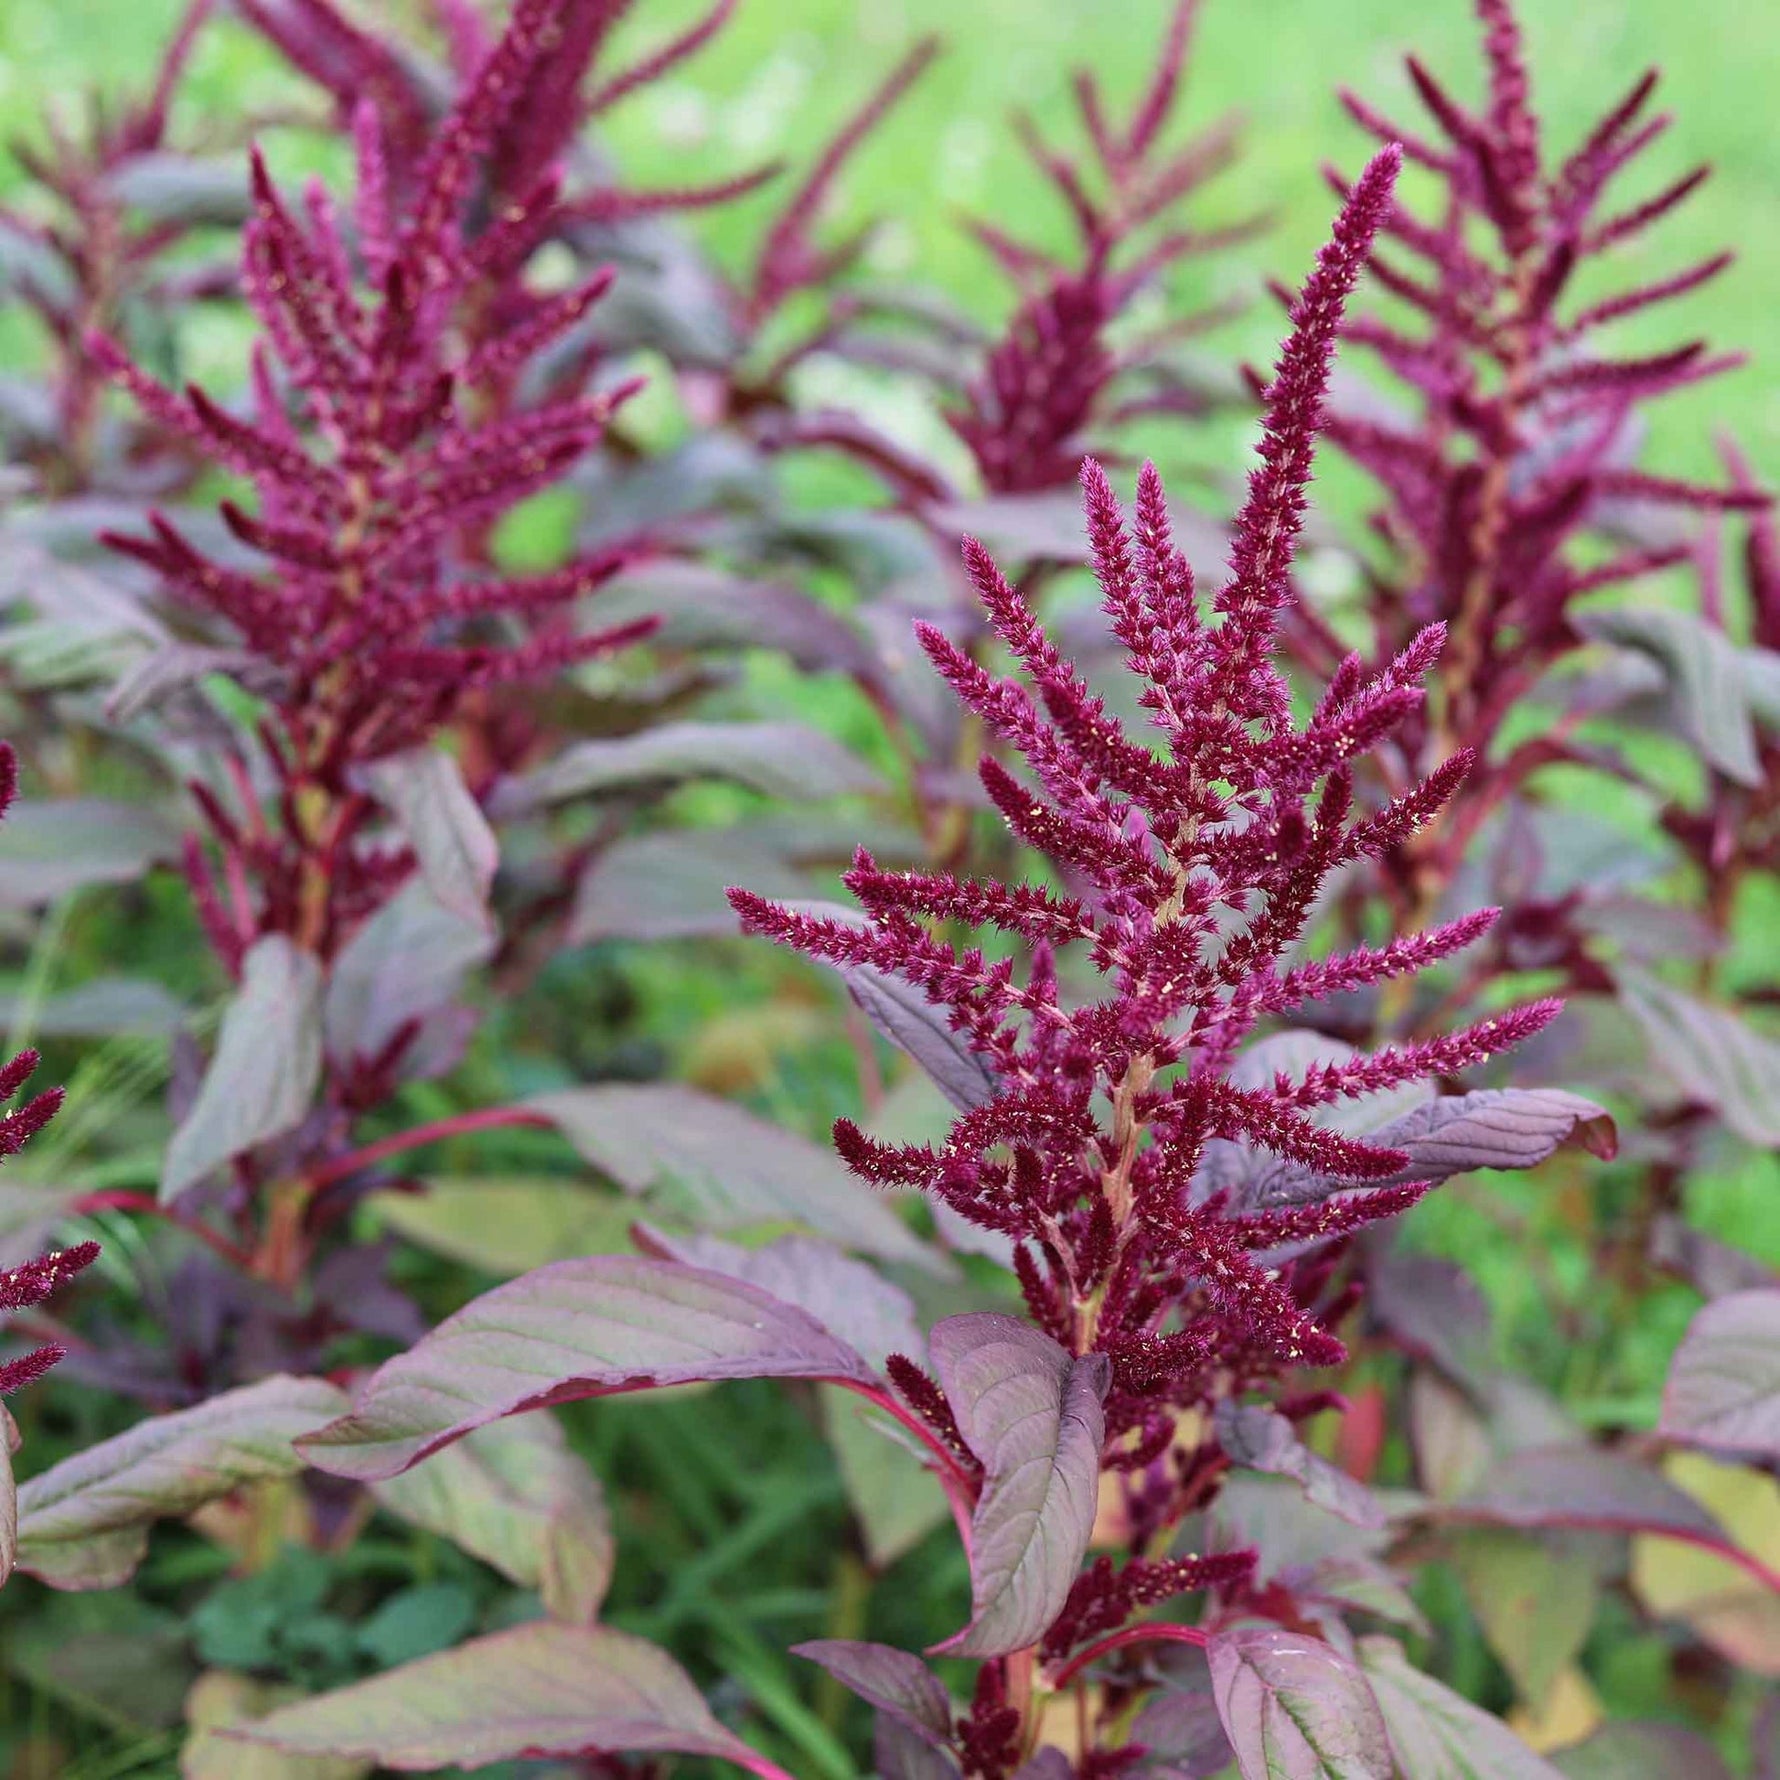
(263, 1076)
(539, 1690)
(1263, 1440)
(849, 1299)
(786, 760)
(1031, 1413)
(48, 849)
(453, 844)
(1295, 1708)
(1490, 1128)
(890, 1679)
(703, 1161)
(1724, 1383)
(514, 1495)
(585, 1328)
(1435, 1734)
(84, 1522)
(1712, 1054)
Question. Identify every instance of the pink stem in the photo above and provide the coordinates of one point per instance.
(959, 1488)
(489, 1118)
(120, 1199)
(1161, 1632)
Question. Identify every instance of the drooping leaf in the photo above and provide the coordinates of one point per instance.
(1295, 1708)
(583, 1328)
(1585, 1487)
(705, 1161)
(1046, 1764)
(670, 885)
(890, 1679)
(1707, 691)
(538, 1690)
(1724, 1384)
(407, 963)
(1625, 1750)
(177, 188)
(1489, 1128)
(1031, 1413)
(1712, 1054)
(701, 607)
(267, 1063)
(514, 1495)
(84, 1522)
(508, 1224)
(48, 849)
(1262, 1439)
(868, 1312)
(903, 1014)
(452, 841)
(1535, 1598)
(788, 760)
(1731, 1603)
(103, 1007)
(1437, 1735)
(900, 1753)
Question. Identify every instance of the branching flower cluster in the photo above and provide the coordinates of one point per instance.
(373, 615)
(1192, 875)
(1056, 372)
(1526, 422)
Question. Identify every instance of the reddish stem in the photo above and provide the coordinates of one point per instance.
(1153, 1632)
(122, 1199)
(489, 1118)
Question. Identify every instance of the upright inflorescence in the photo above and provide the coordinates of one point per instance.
(1189, 876)
(382, 446)
(1055, 372)
(92, 260)
(1526, 425)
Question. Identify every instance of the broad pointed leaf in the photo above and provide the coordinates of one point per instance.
(1263, 1440)
(788, 760)
(913, 1024)
(220, 1698)
(452, 841)
(407, 963)
(1490, 1128)
(1588, 1487)
(537, 1690)
(1724, 1384)
(704, 1161)
(1708, 694)
(1534, 1596)
(1031, 1413)
(84, 1522)
(575, 1329)
(268, 1060)
(891, 1487)
(1437, 1735)
(890, 1679)
(514, 1495)
(50, 849)
(1713, 1055)
(845, 1296)
(1295, 1708)
(900, 1753)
